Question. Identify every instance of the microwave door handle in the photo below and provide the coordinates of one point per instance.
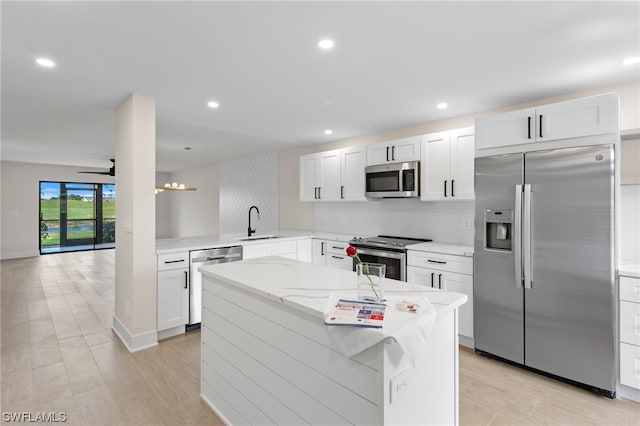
(393, 153)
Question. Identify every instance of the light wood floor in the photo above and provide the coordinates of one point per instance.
(59, 354)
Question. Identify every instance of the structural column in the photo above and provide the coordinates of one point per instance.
(135, 313)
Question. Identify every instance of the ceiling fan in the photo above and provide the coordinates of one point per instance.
(110, 172)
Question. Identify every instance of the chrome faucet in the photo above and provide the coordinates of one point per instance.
(252, 231)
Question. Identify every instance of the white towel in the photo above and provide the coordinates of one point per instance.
(410, 330)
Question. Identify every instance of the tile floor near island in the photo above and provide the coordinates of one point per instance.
(59, 355)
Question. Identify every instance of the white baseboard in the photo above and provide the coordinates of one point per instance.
(627, 392)
(135, 342)
(466, 341)
(19, 254)
(214, 409)
(165, 334)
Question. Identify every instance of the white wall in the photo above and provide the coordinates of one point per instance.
(163, 208)
(629, 223)
(193, 213)
(244, 183)
(20, 202)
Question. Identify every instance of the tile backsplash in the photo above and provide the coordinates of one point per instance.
(440, 221)
(246, 182)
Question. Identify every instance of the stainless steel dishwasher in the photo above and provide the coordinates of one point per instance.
(199, 258)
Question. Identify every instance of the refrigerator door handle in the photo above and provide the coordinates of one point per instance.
(517, 235)
(526, 236)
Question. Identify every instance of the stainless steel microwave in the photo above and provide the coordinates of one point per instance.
(395, 180)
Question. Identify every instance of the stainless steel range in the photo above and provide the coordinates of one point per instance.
(386, 249)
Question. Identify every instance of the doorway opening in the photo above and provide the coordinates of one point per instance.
(77, 216)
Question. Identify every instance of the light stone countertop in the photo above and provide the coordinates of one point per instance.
(444, 248)
(171, 245)
(306, 287)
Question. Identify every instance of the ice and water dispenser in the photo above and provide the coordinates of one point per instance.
(498, 229)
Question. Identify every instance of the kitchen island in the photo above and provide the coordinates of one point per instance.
(268, 358)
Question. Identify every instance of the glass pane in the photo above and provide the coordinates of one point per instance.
(49, 214)
(109, 201)
(80, 202)
(81, 230)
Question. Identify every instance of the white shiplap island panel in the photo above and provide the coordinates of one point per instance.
(267, 357)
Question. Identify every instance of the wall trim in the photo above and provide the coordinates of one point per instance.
(137, 342)
(19, 254)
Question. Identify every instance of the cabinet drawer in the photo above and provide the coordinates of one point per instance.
(441, 262)
(173, 261)
(630, 365)
(337, 247)
(630, 289)
(340, 261)
(630, 323)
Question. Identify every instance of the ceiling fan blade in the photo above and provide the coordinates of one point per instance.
(99, 173)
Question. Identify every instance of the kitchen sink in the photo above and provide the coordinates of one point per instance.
(259, 237)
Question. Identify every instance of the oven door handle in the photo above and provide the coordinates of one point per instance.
(382, 253)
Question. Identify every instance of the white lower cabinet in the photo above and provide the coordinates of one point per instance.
(318, 251)
(446, 272)
(337, 255)
(173, 290)
(630, 331)
(331, 253)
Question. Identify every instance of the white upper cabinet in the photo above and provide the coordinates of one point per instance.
(352, 173)
(320, 176)
(447, 165)
(396, 151)
(333, 175)
(563, 120)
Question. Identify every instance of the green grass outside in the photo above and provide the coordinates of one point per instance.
(76, 209)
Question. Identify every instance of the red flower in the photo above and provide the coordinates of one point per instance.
(351, 251)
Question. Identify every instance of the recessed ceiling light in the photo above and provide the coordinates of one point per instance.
(442, 105)
(325, 44)
(44, 62)
(328, 132)
(631, 61)
(213, 104)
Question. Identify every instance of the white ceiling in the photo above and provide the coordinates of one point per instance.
(392, 62)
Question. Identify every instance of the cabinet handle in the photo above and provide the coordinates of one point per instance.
(540, 125)
(173, 261)
(319, 193)
(442, 262)
(387, 153)
(445, 188)
(342, 192)
(186, 279)
(440, 281)
(432, 274)
(322, 248)
(393, 153)
(315, 192)
(529, 127)
(337, 257)
(338, 248)
(452, 193)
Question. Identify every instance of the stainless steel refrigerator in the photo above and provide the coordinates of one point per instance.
(544, 294)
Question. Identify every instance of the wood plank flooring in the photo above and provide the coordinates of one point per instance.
(58, 354)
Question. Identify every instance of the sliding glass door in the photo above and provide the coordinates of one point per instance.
(76, 216)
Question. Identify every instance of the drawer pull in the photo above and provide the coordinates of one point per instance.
(442, 262)
(338, 248)
(173, 261)
(337, 257)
